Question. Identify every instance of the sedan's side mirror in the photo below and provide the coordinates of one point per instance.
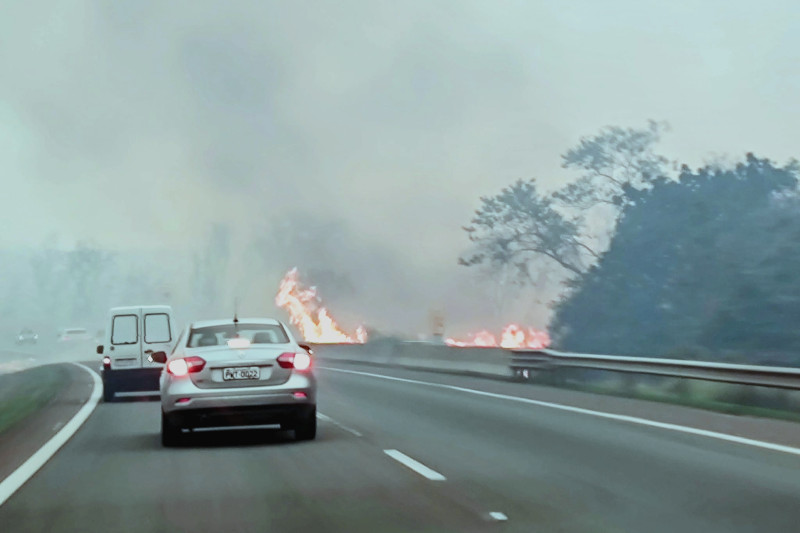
(158, 357)
(100, 350)
(306, 347)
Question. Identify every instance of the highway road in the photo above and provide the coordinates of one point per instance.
(409, 451)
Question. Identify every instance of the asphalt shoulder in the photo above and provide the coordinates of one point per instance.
(764, 429)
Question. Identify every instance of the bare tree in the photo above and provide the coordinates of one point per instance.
(613, 159)
(519, 225)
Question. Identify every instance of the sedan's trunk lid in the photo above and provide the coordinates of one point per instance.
(254, 366)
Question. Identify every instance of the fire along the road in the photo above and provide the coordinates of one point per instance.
(309, 316)
(513, 336)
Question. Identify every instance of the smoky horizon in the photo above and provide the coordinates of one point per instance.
(194, 153)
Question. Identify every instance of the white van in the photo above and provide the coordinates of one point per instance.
(131, 335)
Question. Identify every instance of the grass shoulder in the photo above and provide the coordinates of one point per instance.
(26, 392)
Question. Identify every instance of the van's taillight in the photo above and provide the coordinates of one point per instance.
(106, 362)
(298, 361)
(186, 365)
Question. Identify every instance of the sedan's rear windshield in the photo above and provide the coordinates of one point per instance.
(219, 335)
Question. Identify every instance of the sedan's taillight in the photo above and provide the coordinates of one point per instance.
(299, 361)
(186, 365)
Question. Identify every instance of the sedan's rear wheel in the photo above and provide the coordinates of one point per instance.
(306, 428)
(170, 433)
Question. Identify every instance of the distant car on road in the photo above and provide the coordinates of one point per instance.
(73, 334)
(235, 373)
(27, 336)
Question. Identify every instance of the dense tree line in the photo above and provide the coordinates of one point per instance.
(706, 262)
(701, 264)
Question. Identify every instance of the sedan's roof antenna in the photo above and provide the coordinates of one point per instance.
(236, 312)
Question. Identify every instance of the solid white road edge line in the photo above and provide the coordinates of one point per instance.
(416, 466)
(622, 418)
(326, 418)
(36, 461)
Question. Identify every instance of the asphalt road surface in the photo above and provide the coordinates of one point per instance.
(395, 455)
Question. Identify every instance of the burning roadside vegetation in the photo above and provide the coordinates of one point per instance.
(512, 336)
(316, 324)
(308, 315)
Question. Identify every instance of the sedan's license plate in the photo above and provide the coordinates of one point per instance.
(239, 373)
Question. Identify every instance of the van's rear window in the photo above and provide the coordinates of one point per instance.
(125, 329)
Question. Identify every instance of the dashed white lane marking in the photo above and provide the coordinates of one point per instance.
(26, 470)
(326, 418)
(414, 465)
(622, 418)
(496, 515)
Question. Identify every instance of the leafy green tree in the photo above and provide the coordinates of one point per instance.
(703, 261)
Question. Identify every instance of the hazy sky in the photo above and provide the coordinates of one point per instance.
(136, 123)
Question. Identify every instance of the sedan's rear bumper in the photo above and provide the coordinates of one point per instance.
(286, 414)
(190, 406)
(180, 394)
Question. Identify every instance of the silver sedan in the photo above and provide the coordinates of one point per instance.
(237, 373)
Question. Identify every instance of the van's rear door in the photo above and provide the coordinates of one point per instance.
(125, 350)
(156, 332)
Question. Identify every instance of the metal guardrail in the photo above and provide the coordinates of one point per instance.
(526, 363)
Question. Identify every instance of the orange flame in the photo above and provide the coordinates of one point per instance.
(309, 316)
(513, 336)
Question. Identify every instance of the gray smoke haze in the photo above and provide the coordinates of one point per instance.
(365, 130)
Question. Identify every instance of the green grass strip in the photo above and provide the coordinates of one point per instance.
(698, 402)
(24, 393)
